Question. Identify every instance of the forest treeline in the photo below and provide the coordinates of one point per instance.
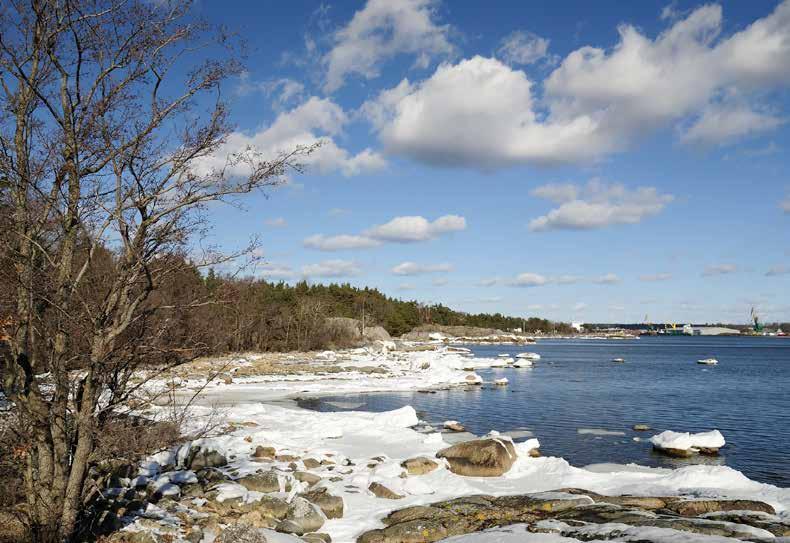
(255, 314)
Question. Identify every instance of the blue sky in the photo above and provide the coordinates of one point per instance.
(571, 160)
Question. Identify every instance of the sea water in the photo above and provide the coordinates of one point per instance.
(582, 406)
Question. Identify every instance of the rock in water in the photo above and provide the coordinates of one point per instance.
(419, 465)
(382, 491)
(642, 427)
(302, 517)
(454, 426)
(480, 457)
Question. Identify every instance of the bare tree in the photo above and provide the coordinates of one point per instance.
(109, 140)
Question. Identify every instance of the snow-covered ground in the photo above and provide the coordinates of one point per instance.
(392, 371)
(352, 439)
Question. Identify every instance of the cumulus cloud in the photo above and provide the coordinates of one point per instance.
(331, 268)
(596, 205)
(415, 228)
(476, 113)
(380, 31)
(656, 277)
(607, 279)
(407, 229)
(413, 268)
(277, 222)
(719, 269)
(523, 48)
(318, 120)
(778, 270)
(480, 112)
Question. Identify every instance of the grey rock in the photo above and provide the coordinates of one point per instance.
(302, 517)
(480, 457)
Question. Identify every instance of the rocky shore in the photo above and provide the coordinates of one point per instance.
(283, 475)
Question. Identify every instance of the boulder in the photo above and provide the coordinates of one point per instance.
(240, 533)
(454, 426)
(311, 463)
(331, 506)
(376, 333)
(480, 458)
(317, 537)
(202, 458)
(264, 452)
(267, 481)
(381, 491)
(207, 476)
(286, 458)
(692, 508)
(419, 465)
(302, 517)
(306, 477)
(675, 453)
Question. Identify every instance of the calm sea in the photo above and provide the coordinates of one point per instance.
(581, 405)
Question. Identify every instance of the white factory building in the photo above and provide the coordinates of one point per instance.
(714, 331)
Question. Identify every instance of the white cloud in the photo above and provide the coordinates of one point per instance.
(276, 271)
(607, 279)
(476, 113)
(283, 92)
(318, 120)
(412, 268)
(565, 279)
(656, 277)
(338, 211)
(486, 300)
(719, 269)
(342, 242)
(720, 123)
(481, 113)
(407, 229)
(277, 222)
(439, 282)
(406, 286)
(596, 205)
(529, 280)
(579, 307)
(784, 205)
(488, 281)
(778, 270)
(380, 31)
(523, 48)
(415, 228)
(331, 268)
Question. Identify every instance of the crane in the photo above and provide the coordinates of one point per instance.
(758, 326)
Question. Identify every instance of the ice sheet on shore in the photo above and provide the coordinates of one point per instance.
(358, 437)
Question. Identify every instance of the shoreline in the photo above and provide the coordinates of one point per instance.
(264, 411)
